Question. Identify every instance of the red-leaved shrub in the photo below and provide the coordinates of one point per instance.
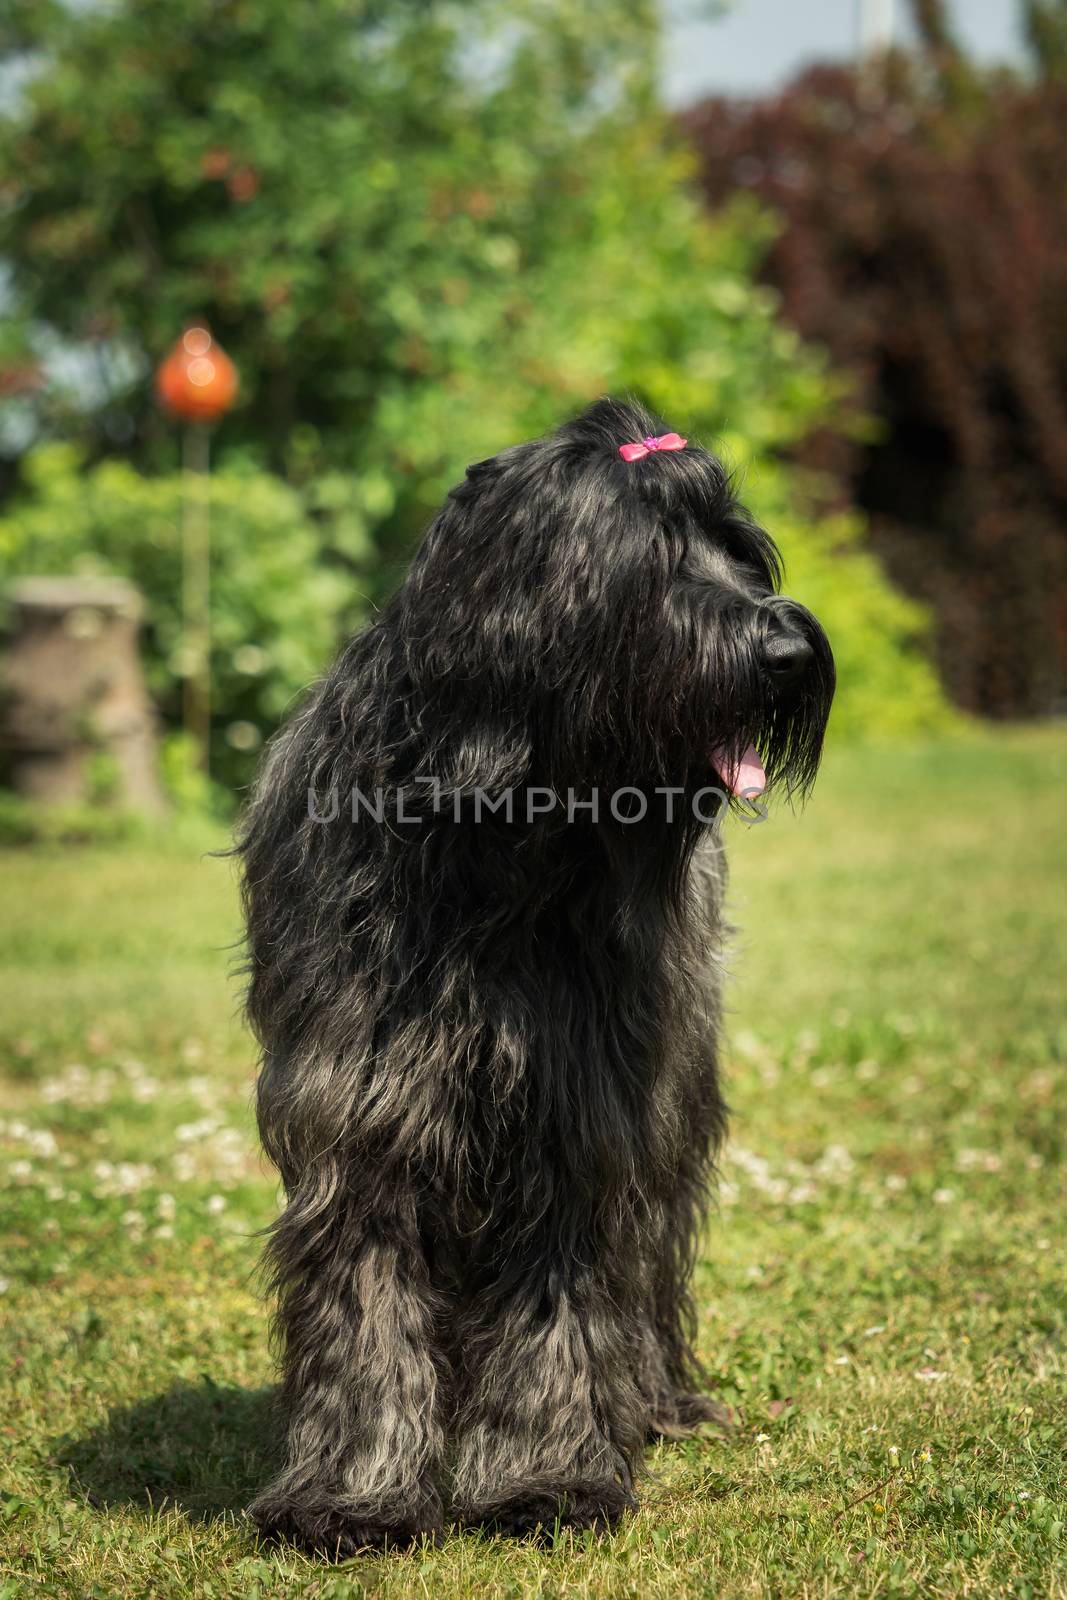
(924, 242)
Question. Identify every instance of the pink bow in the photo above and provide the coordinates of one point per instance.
(666, 441)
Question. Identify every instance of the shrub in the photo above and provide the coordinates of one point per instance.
(277, 607)
(923, 242)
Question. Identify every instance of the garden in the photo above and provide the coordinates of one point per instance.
(417, 252)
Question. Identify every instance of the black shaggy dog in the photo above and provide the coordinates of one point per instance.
(483, 891)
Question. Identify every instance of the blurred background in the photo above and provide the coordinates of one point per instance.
(830, 239)
(271, 275)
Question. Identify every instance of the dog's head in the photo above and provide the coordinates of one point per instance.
(613, 619)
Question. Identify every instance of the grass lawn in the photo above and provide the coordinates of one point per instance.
(883, 1292)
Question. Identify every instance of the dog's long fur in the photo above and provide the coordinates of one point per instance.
(489, 1047)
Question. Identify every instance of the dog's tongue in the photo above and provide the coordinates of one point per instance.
(744, 774)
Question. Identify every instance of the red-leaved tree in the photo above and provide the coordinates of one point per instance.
(924, 241)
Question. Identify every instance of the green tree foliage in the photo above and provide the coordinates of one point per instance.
(365, 202)
(422, 233)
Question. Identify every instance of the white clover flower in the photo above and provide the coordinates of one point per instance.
(977, 1160)
(40, 1141)
(834, 1161)
(186, 1132)
(132, 1175)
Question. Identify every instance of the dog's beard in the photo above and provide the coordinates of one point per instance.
(778, 742)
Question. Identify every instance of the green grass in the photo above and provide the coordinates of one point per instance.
(882, 1294)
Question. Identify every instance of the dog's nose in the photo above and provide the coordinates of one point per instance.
(786, 653)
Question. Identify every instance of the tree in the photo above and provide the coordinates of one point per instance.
(924, 243)
(359, 204)
(422, 232)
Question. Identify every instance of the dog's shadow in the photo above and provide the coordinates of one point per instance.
(203, 1448)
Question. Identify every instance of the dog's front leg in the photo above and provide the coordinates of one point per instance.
(551, 1422)
(361, 1381)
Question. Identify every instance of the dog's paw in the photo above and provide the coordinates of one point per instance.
(337, 1530)
(539, 1510)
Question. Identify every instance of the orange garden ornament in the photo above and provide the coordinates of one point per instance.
(198, 384)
